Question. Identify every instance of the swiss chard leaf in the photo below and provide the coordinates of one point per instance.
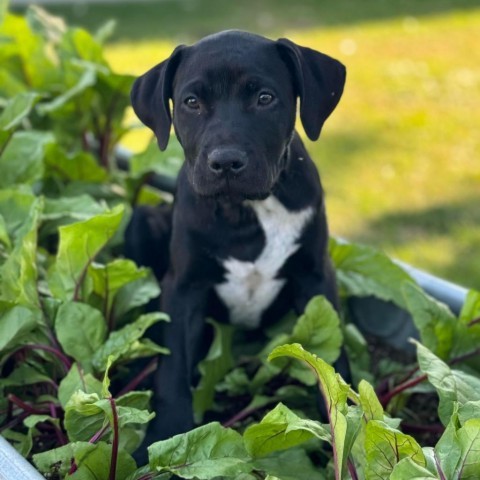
(79, 244)
(435, 322)
(19, 272)
(385, 447)
(364, 271)
(335, 392)
(453, 386)
(207, 452)
(81, 331)
(213, 368)
(127, 343)
(281, 429)
(17, 109)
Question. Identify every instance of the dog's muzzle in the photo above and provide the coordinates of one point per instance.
(227, 161)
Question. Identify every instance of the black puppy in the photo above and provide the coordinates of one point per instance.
(247, 238)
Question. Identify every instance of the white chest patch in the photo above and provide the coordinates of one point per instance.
(250, 287)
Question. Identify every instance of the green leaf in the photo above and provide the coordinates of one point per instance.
(94, 463)
(83, 417)
(385, 447)
(457, 450)
(25, 374)
(469, 410)
(206, 452)
(4, 237)
(92, 460)
(15, 206)
(335, 392)
(109, 279)
(471, 308)
(213, 368)
(81, 331)
(127, 343)
(281, 429)
(138, 399)
(50, 27)
(81, 207)
(106, 379)
(19, 272)
(78, 166)
(23, 443)
(448, 450)
(17, 108)
(135, 294)
(452, 385)
(291, 464)
(369, 402)
(318, 331)
(22, 159)
(86, 80)
(15, 325)
(407, 468)
(152, 160)
(364, 271)
(79, 244)
(469, 439)
(59, 459)
(433, 320)
(75, 380)
(33, 420)
(79, 44)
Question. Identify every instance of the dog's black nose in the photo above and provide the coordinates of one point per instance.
(227, 160)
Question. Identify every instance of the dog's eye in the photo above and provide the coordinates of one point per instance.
(192, 102)
(265, 98)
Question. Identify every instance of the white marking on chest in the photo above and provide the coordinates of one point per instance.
(251, 287)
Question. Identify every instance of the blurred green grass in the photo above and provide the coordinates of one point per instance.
(400, 158)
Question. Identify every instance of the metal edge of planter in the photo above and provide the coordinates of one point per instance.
(396, 331)
(13, 466)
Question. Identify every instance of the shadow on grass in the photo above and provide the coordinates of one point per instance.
(188, 20)
(438, 225)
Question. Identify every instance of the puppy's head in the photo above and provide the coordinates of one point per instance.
(234, 103)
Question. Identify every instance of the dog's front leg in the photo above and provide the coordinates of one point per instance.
(184, 337)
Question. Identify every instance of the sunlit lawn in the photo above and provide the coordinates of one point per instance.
(400, 158)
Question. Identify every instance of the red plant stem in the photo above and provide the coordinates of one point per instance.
(18, 419)
(351, 469)
(473, 322)
(240, 416)
(62, 439)
(150, 368)
(25, 406)
(47, 348)
(99, 434)
(465, 356)
(113, 463)
(385, 399)
(79, 282)
(439, 468)
(73, 467)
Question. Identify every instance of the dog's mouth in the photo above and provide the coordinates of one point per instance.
(230, 187)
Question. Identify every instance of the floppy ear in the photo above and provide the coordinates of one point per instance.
(150, 97)
(319, 81)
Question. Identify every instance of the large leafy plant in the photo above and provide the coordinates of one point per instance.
(73, 348)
